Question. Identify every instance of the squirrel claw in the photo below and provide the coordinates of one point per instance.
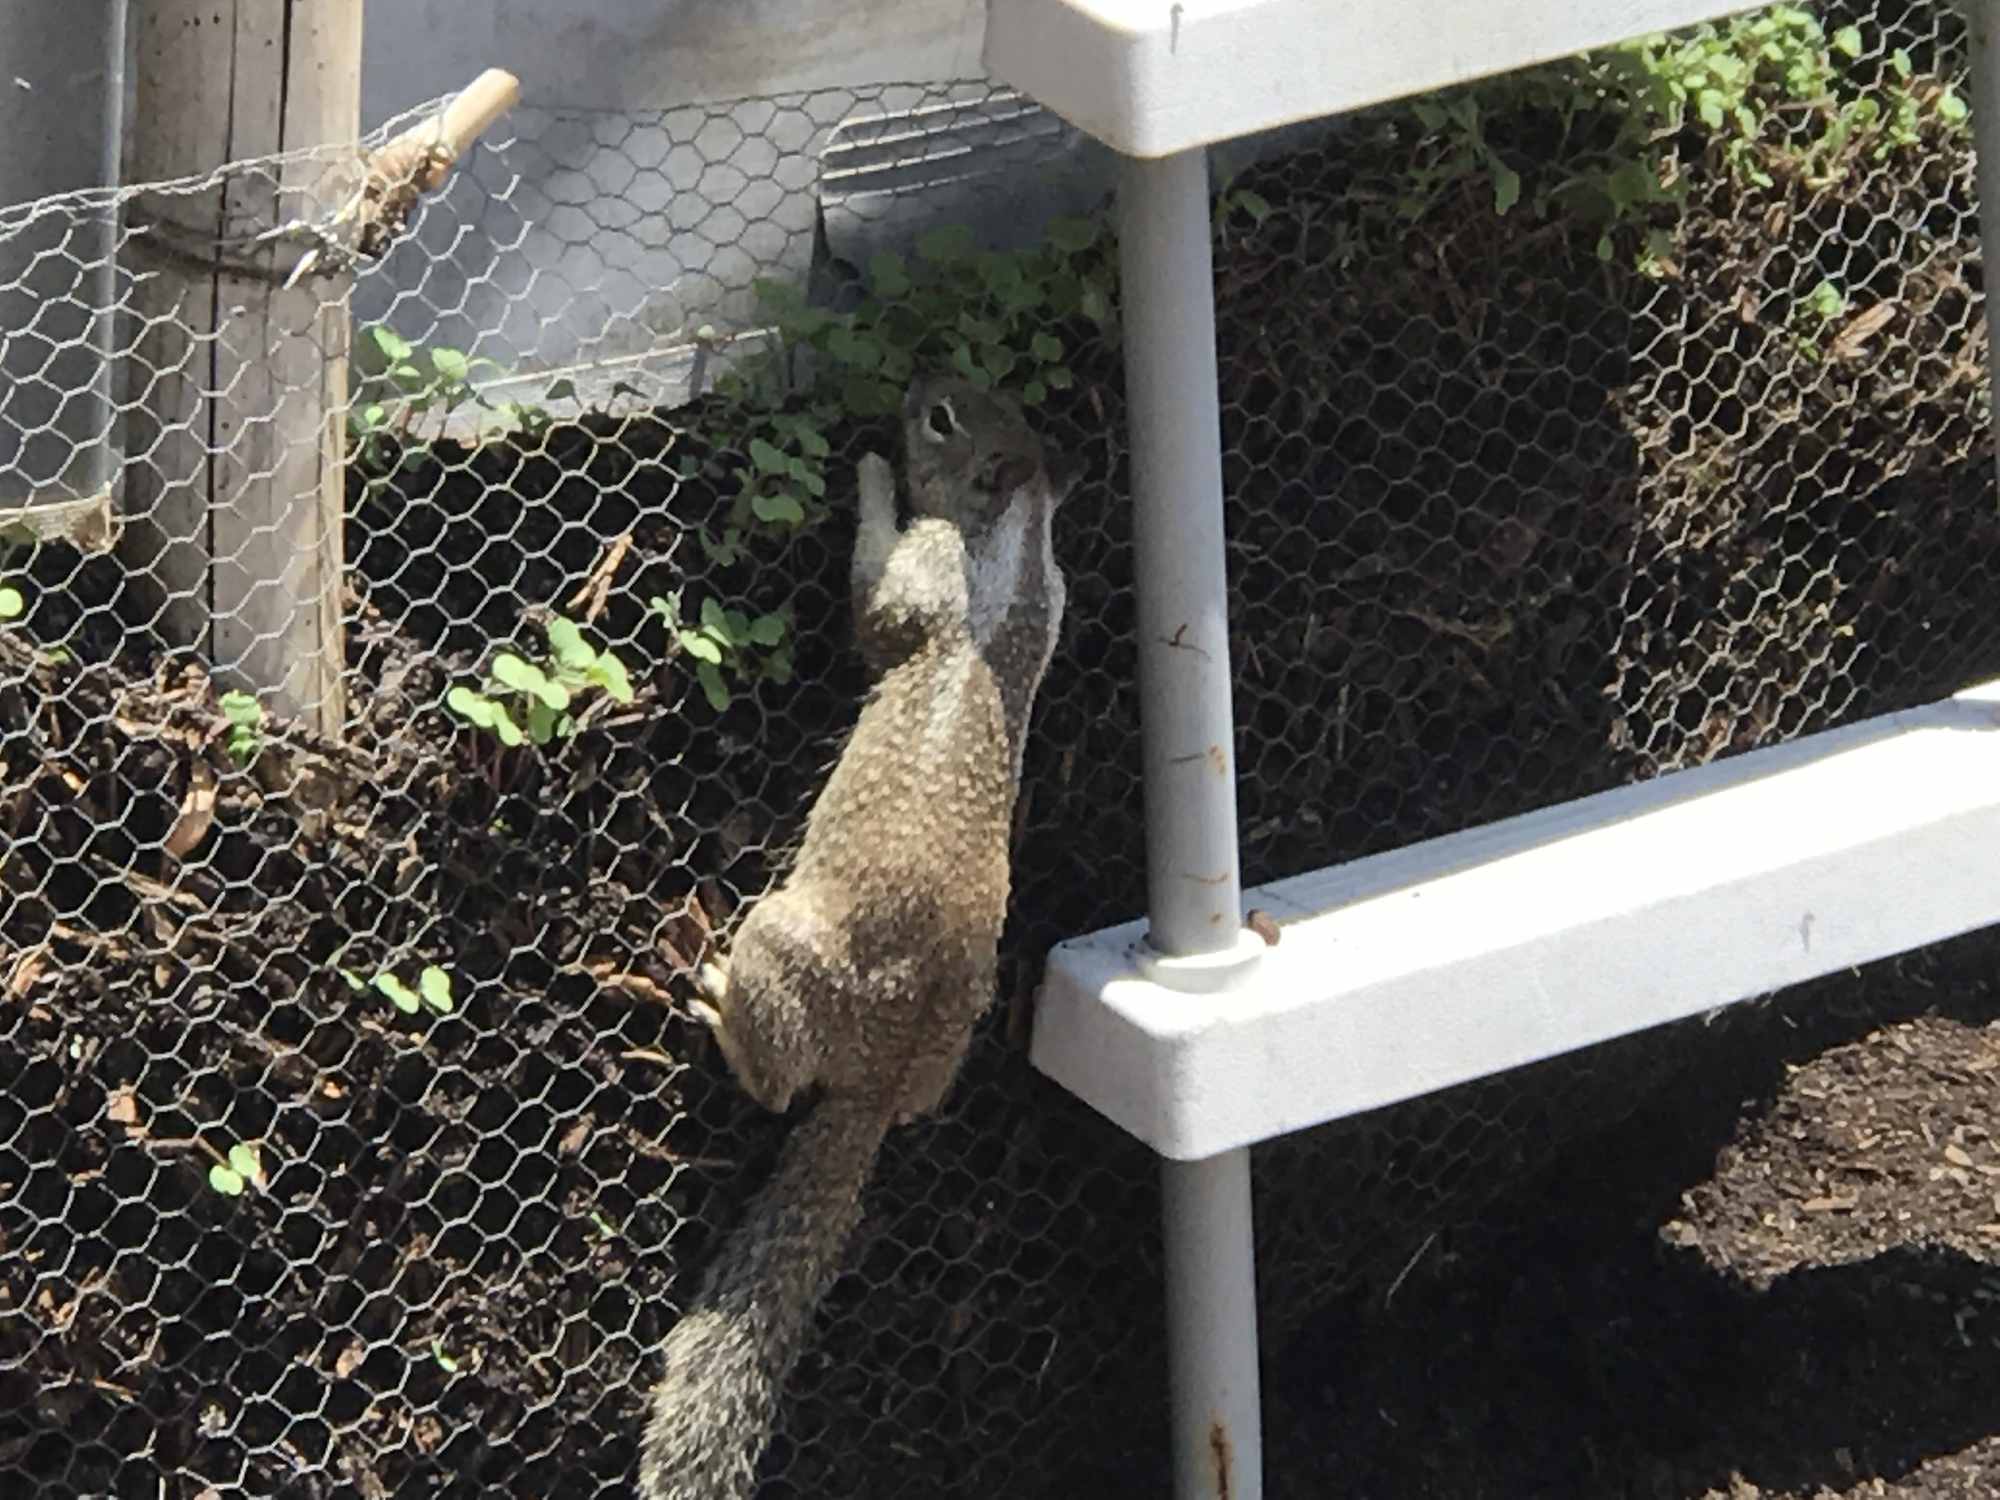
(711, 980)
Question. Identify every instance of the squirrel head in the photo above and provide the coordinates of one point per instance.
(967, 452)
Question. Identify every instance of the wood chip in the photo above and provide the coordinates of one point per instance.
(122, 1107)
(1828, 1205)
(1864, 326)
(27, 970)
(1958, 1156)
(197, 813)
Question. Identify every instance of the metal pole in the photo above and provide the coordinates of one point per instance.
(1194, 889)
(1979, 24)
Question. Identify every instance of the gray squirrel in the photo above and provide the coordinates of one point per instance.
(864, 972)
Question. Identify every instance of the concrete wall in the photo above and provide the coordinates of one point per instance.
(627, 201)
(58, 80)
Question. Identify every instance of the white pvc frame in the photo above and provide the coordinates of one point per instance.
(1160, 81)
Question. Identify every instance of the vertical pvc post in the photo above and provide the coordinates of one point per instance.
(1194, 889)
(1980, 20)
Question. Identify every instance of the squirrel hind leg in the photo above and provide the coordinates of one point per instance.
(760, 1018)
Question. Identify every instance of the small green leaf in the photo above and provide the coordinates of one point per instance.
(542, 723)
(450, 364)
(1073, 235)
(713, 686)
(945, 245)
(354, 981)
(435, 986)
(667, 606)
(399, 993)
(569, 645)
(1899, 61)
(714, 618)
(1046, 347)
(393, 348)
(1254, 204)
(851, 348)
(225, 1181)
(767, 630)
(504, 726)
(1034, 393)
(609, 673)
(1506, 187)
(768, 459)
(1848, 40)
(445, 1361)
(1951, 108)
(245, 1161)
(242, 709)
(780, 509)
(525, 677)
(888, 274)
(700, 647)
(469, 705)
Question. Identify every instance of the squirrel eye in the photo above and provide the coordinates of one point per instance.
(940, 422)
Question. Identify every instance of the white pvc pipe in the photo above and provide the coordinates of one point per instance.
(1194, 886)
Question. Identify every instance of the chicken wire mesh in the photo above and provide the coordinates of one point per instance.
(1507, 525)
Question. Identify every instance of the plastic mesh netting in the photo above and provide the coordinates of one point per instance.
(354, 1137)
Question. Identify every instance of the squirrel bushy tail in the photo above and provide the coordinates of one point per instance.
(727, 1358)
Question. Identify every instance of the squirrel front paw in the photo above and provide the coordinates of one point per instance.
(876, 483)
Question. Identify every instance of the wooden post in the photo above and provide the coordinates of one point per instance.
(234, 486)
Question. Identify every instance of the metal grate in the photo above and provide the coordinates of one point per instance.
(1508, 526)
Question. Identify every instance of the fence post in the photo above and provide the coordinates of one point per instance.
(1194, 886)
(234, 484)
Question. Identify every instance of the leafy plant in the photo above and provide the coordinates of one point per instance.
(13, 604)
(719, 638)
(987, 315)
(244, 1168)
(525, 702)
(402, 384)
(777, 461)
(1771, 92)
(433, 989)
(1814, 315)
(246, 726)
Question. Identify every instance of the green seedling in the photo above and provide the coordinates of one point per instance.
(401, 385)
(433, 989)
(246, 726)
(244, 1168)
(524, 702)
(13, 604)
(720, 639)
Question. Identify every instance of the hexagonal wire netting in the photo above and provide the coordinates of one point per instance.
(1508, 525)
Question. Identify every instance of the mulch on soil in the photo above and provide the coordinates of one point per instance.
(1816, 1318)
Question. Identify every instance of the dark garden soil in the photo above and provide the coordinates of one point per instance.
(1811, 1310)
